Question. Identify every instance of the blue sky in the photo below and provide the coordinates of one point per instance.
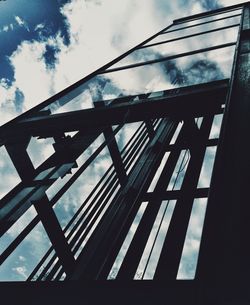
(47, 45)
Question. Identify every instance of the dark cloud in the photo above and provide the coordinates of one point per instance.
(203, 71)
(50, 56)
(210, 4)
(19, 100)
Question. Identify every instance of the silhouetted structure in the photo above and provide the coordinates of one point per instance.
(156, 116)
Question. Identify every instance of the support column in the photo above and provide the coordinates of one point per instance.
(225, 252)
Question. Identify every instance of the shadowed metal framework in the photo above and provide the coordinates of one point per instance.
(163, 116)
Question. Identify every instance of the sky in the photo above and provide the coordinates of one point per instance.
(47, 45)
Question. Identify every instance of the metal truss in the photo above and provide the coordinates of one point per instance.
(167, 149)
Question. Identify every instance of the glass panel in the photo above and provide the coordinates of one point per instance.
(194, 30)
(23, 260)
(180, 46)
(189, 70)
(215, 130)
(191, 247)
(209, 18)
(158, 172)
(152, 251)
(39, 150)
(179, 171)
(8, 173)
(207, 167)
(84, 96)
(44, 174)
(124, 248)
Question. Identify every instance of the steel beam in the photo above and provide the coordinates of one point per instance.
(192, 101)
(224, 254)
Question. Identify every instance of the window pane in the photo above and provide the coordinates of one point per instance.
(180, 46)
(206, 19)
(185, 71)
(194, 30)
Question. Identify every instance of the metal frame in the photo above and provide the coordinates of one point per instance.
(105, 217)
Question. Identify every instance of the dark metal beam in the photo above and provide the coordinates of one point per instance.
(170, 256)
(225, 240)
(20, 158)
(51, 225)
(192, 101)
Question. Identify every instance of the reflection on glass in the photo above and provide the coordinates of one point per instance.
(189, 70)
(84, 96)
(180, 46)
(195, 30)
(207, 19)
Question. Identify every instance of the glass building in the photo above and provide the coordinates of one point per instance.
(139, 171)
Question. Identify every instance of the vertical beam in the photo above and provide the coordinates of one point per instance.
(50, 222)
(20, 158)
(224, 253)
(110, 229)
(115, 155)
(169, 260)
(137, 246)
(113, 149)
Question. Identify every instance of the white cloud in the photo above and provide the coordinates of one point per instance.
(39, 26)
(22, 23)
(6, 28)
(21, 270)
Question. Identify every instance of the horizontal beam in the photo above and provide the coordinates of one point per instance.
(189, 101)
